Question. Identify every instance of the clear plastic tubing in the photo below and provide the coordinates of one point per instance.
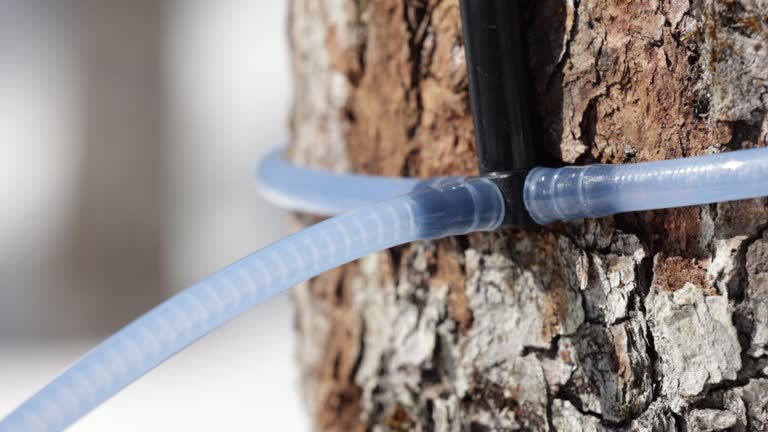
(433, 208)
(550, 194)
(323, 193)
(453, 208)
(554, 194)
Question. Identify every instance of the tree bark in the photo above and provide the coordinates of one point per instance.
(650, 321)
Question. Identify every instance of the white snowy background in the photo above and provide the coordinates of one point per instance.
(129, 132)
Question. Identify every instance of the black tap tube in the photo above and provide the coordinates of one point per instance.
(498, 91)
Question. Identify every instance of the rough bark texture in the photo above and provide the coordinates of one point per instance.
(652, 321)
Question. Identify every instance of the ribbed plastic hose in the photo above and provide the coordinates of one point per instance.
(553, 194)
(550, 194)
(458, 207)
(436, 208)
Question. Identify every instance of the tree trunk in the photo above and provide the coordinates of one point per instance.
(650, 321)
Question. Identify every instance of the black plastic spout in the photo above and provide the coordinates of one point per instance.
(498, 88)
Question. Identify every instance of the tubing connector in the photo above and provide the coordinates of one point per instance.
(498, 89)
(561, 194)
(511, 184)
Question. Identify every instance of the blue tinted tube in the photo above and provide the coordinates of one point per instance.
(320, 192)
(451, 208)
(557, 194)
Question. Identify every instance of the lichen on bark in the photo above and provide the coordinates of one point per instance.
(650, 321)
